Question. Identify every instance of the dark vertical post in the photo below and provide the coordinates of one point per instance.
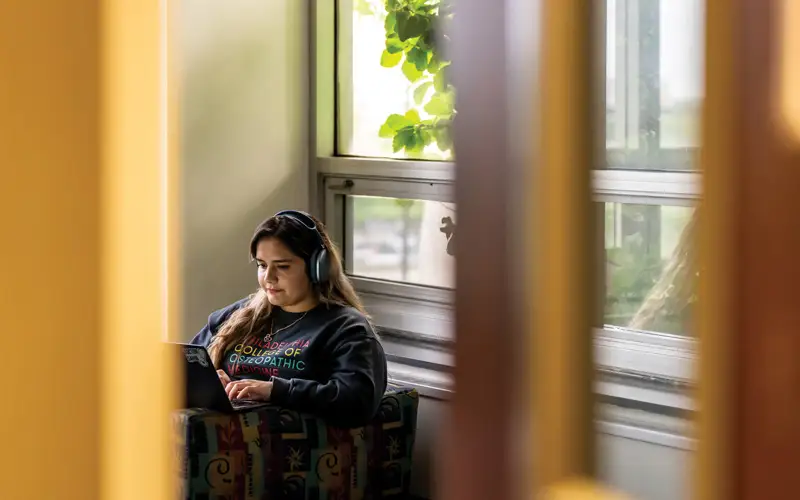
(537, 242)
(476, 459)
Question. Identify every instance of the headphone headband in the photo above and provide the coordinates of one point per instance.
(304, 219)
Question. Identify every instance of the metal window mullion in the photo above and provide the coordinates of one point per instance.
(631, 26)
(676, 184)
(391, 188)
(620, 82)
(334, 216)
(386, 168)
(649, 71)
(348, 212)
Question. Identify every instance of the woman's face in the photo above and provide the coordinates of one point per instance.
(282, 275)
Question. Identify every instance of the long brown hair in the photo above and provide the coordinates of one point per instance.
(257, 312)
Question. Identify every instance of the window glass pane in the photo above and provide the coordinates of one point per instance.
(680, 72)
(650, 273)
(401, 240)
(395, 99)
(615, 95)
(654, 82)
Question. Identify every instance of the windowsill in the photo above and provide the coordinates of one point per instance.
(648, 371)
(649, 422)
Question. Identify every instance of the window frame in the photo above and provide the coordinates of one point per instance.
(415, 322)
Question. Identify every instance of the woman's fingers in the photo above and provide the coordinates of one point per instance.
(223, 377)
(235, 389)
(230, 389)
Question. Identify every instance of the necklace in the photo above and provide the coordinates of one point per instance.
(268, 338)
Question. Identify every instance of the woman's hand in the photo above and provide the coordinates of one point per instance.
(224, 378)
(257, 390)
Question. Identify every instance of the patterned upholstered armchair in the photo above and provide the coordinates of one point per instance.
(270, 453)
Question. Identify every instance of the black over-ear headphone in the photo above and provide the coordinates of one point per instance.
(317, 265)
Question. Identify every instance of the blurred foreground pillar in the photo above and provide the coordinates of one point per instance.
(522, 415)
(83, 203)
(749, 401)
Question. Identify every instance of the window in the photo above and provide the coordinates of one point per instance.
(393, 239)
(653, 83)
(392, 62)
(387, 189)
(649, 273)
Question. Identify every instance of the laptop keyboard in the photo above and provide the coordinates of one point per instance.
(245, 403)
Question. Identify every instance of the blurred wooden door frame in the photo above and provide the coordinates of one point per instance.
(475, 462)
(749, 403)
(524, 273)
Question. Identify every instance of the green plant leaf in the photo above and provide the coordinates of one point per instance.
(426, 135)
(439, 105)
(390, 22)
(421, 91)
(398, 122)
(449, 96)
(413, 116)
(409, 29)
(411, 71)
(418, 57)
(389, 60)
(393, 44)
(400, 141)
(411, 26)
(444, 140)
(415, 144)
(401, 18)
(434, 64)
(440, 80)
(386, 131)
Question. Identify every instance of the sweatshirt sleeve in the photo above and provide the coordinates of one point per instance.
(215, 321)
(352, 394)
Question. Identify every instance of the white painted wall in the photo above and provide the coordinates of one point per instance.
(244, 88)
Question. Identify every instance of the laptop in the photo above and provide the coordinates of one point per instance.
(203, 387)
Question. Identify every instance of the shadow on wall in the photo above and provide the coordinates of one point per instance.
(243, 119)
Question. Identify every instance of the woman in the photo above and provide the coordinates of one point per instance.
(303, 340)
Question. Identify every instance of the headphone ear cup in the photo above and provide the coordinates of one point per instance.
(323, 266)
(318, 266)
(311, 268)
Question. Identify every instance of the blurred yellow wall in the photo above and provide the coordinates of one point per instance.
(82, 218)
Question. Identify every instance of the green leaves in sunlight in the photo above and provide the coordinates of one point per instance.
(441, 104)
(421, 91)
(410, 24)
(411, 71)
(412, 134)
(410, 42)
(389, 60)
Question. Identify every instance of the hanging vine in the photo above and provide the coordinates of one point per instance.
(413, 42)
